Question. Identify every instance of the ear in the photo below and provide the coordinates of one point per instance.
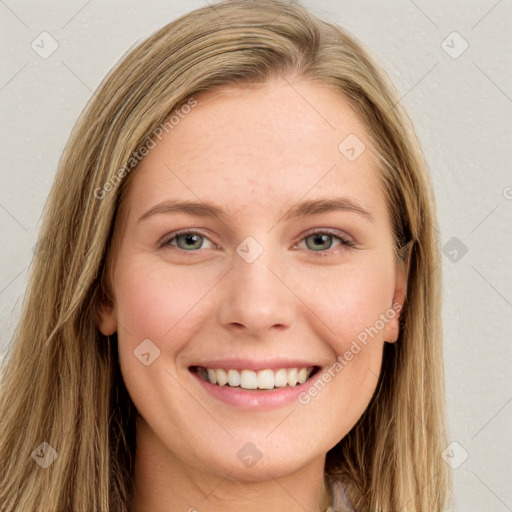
(106, 317)
(392, 328)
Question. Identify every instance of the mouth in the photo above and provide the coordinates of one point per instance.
(263, 380)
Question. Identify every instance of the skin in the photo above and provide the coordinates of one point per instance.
(254, 152)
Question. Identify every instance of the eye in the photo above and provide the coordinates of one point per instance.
(187, 241)
(320, 241)
(192, 241)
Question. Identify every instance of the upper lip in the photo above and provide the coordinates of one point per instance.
(251, 364)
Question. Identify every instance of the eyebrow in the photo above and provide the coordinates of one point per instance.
(302, 209)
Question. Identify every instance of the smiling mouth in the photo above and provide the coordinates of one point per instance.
(256, 380)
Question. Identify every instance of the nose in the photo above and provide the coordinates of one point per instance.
(256, 298)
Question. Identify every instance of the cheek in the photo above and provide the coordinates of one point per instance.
(157, 303)
(152, 301)
(352, 301)
(165, 306)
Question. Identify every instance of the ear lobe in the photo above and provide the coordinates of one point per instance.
(106, 318)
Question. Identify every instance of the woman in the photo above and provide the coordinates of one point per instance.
(238, 301)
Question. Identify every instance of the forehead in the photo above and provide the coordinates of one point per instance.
(272, 144)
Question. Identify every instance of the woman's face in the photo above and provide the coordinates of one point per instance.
(268, 281)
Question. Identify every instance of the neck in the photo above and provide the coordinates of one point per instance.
(164, 484)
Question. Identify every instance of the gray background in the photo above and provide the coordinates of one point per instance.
(460, 103)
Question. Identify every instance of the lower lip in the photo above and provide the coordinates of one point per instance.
(246, 398)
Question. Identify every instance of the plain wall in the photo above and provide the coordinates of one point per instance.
(460, 103)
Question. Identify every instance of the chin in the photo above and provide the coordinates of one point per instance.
(255, 458)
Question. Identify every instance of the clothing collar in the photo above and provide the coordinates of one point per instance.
(340, 501)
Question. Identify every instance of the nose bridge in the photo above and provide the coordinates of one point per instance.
(255, 295)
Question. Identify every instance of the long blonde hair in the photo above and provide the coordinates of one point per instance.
(61, 382)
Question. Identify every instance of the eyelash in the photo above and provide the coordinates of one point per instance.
(166, 242)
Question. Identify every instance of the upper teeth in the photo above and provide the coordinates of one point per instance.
(263, 379)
